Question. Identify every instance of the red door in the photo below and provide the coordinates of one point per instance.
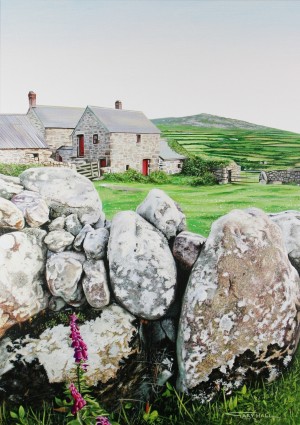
(81, 145)
(102, 163)
(145, 169)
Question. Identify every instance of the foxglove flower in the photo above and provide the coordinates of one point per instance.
(80, 348)
(79, 401)
(101, 420)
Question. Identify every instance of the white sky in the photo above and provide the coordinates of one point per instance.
(238, 59)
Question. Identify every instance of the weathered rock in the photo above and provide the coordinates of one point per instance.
(63, 273)
(94, 283)
(73, 224)
(142, 268)
(186, 248)
(10, 179)
(22, 263)
(108, 337)
(56, 303)
(58, 240)
(239, 313)
(65, 191)
(57, 224)
(78, 242)
(33, 207)
(10, 216)
(9, 188)
(101, 222)
(95, 243)
(289, 223)
(161, 211)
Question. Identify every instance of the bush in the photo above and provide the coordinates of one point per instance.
(197, 166)
(159, 177)
(126, 177)
(15, 169)
(207, 179)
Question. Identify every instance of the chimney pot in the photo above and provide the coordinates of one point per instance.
(118, 104)
(32, 99)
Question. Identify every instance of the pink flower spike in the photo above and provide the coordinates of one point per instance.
(79, 401)
(101, 420)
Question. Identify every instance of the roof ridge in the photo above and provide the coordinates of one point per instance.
(114, 109)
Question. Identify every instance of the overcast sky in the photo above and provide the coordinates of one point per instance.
(238, 59)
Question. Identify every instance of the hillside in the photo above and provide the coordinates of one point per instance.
(252, 146)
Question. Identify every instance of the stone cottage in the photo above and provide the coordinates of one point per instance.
(119, 139)
(169, 161)
(55, 123)
(20, 141)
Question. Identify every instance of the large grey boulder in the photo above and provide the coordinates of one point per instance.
(65, 191)
(186, 248)
(33, 207)
(22, 265)
(239, 313)
(161, 211)
(9, 188)
(289, 223)
(10, 215)
(95, 284)
(63, 272)
(142, 268)
(95, 243)
(58, 240)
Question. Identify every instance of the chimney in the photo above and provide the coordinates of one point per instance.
(32, 99)
(118, 104)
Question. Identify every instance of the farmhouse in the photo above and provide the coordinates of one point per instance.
(119, 139)
(55, 123)
(20, 141)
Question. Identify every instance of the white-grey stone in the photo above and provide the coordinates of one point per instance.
(33, 207)
(240, 305)
(161, 211)
(63, 273)
(101, 222)
(72, 224)
(10, 216)
(95, 243)
(22, 264)
(108, 337)
(57, 224)
(65, 191)
(186, 248)
(8, 188)
(78, 242)
(56, 303)
(58, 240)
(94, 283)
(10, 179)
(142, 268)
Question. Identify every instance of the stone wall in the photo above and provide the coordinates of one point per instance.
(228, 174)
(57, 137)
(35, 121)
(24, 156)
(280, 176)
(171, 166)
(126, 152)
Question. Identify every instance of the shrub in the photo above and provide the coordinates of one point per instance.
(126, 177)
(159, 177)
(15, 169)
(207, 179)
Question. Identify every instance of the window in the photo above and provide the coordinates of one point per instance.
(95, 139)
(138, 138)
(179, 165)
(127, 167)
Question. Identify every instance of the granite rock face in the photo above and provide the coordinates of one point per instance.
(239, 312)
(76, 195)
(22, 264)
(73, 224)
(163, 213)
(142, 268)
(94, 284)
(58, 240)
(10, 216)
(8, 187)
(33, 207)
(95, 243)
(186, 248)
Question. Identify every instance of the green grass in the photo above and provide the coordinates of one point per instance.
(203, 205)
(252, 149)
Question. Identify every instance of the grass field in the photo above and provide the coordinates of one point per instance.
(203, 205)
(252, 149)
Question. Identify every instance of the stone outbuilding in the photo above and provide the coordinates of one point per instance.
(170, 161)
(119, 139)
(21, 142)
(55, 123)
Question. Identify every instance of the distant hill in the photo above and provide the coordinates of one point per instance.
(208, 121)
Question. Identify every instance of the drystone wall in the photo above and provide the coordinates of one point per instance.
(280, 176)
(228, 174)
(24, 156)
(147, 292)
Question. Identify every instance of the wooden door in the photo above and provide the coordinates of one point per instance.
(81, 145)
(103, 162)
(145, 167)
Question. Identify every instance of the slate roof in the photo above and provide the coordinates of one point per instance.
(58, 116)
(124, 121)
(17, 132)
(166, 153)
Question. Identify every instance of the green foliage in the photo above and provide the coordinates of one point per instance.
(15, 169)
(159, 177)
(131, 176)
(207, 179)
(197, 166)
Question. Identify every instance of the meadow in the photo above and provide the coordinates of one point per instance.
(251, 148)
